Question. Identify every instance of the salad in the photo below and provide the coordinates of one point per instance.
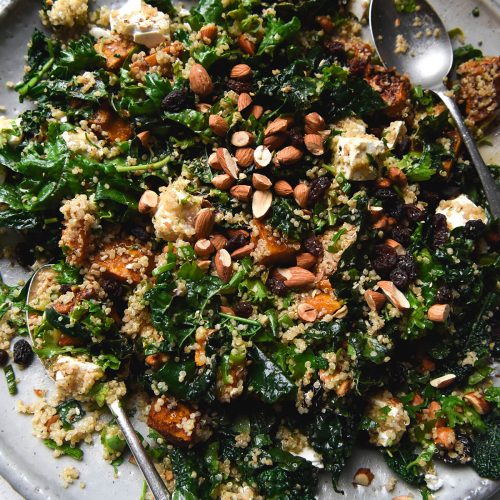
(265, 241)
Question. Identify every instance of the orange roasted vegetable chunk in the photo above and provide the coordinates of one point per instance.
(116, 127)
(115, 51)
(269, 249)
(324, 303)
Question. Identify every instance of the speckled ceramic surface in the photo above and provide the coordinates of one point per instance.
(28, 465)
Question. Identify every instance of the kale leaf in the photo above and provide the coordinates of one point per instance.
(486, 459)
(277, 32)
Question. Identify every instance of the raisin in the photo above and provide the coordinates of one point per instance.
(24, 253)
(461, 452)
(318, 189)
(413, 213)
(336, 48)
(140, 233)
(175, 101)
(277, 287)
(313, 245)
(64, 288)
(112, 287)
(296, 137)
(474, 228)
(430, 197)
(243, 309)
(357, 66)
(385, 194)
(394, 209)
(406, 263)
(23, 353)
(239, 87)
(236, 241)
(444, 295)
(440, 230)
(385, 260)
(401, 234)
(4, 357)
(399, 278)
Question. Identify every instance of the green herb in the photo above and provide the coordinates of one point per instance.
(65, 449)
(406, 6)
(465, 53)
(10, 378)
(70, 412)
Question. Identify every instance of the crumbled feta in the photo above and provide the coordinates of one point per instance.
(74, 376)
(309, 454)
(176, 212)
(394, 133)
(145, 24)
(459, 211)
(433, 482)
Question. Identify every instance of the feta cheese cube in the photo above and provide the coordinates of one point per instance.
(74, 376)
(459, 211)
(394, 133)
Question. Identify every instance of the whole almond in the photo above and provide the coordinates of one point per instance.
(375, 300)
(283, 188)
(289, 155)
(213, 162)
(262, 156)
(204, 223)
(301, 194)
(257, 111)
(478, 402)
(244, 100)
(223, 182)
(218, 241)
(241, 193)
(242, 139)
(203, 248)
(233, 233)
(241, 72)
(218, 125)
(307, 312)
(246, 45)
(306, 260)
(208, 33)
(227, 162)
(244, 157)
(296, 277)
(314, 144)
(395, 296)
(313, 123)
(438, 313)
(275, 141)
(243, 251)
(223, 265)
(276, 126)
(203, 264)
(261, 203)
(261, 182)
(200, 81)
(144, 137)
(148, 202)
(443, 381)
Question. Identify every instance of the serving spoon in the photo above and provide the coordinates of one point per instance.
(155, 483)
(427, 62)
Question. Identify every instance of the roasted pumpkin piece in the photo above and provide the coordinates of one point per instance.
(115, 51)
(115, 127)
(324, 303)
(269, 249)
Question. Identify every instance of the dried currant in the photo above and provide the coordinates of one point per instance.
(401, 234)
(357, 65)
(430, 197)
(413, 213)
(112, 287)
(385, 194)
(175, 101)
(336, 48)
(384, 260)
(408, 265)
(399, 278)
(440, 230)
(23, 353)
(243, 309)
(318, 189)
(313, 245)
(277, 287)
(239, 86)
(236, 241)
(4, 357)
(296, 137)
(394, 209)
(474, 228)
(64, 288)
(444, 295)
(461, 452)
(140, 233)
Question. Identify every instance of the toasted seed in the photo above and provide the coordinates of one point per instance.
(395, 296)
(242, 139)
(262, 156)
(314, 144)
(257, 111)
(306, 260)
(204, 223)
(208, 33)
(200, 81)
(444, 381)
(296, 277)
(276, 126)
(244, 100)
(261, 203)
(218, 125)
(438, 313)
(203, 248)
(262, 182)
(301, 194)
(283, 188)
(375, 300)
(223, 265)
(246, 45)
(148, 202)
(227, 162)
(241, 72)
(289, 155)
(243, 251)
(241, 193)
(223, 182)
(307, 313)
(244, 157)
(313, 123)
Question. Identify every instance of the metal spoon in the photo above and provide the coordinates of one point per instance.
(427, 63)
(155, 483)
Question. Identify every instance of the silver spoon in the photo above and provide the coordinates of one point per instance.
(155, 483)
(427, 63)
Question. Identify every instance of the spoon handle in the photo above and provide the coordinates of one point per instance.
(155, 483)
(489, 185)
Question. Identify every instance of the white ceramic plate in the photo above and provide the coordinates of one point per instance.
(28, 465)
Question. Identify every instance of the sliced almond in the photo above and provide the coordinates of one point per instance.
(223, 182)
(244, 157)
(395, 245)
(238, 232)
(283, 188)
(376, 212)
(289, 155)
(148, 202)
(395, 296)
(241, 193)
(246, 45)
(314, 144)
(313, 123)
(200, 81)
(276, 126)
(241, 72)
(204, 248)
(363, 477)
(208, 33)
(204, 223)
(243, 251)
(478, 402)
(438, 313)
(275, 141)
(213, 162)
(341, 313)
(444, 381)
(203, 107)
(227, 162)
(375, 300)
(223, 265)
(218, 241)
(244, 101)
(262, 156)
(218, 125)
(307, 313)
(306, 260)
(296, 277)
(301, 194)
(261, 203)
(144, 137)
(242, 139)
(257, 111)
(204, 264)
(227, 310)
(261, 182)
